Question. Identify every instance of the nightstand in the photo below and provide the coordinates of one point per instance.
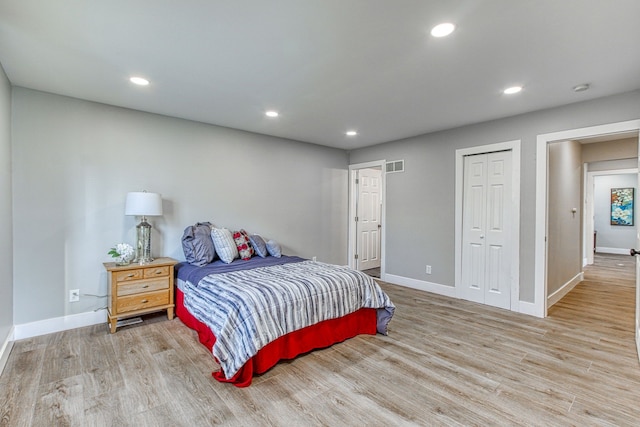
(136, 289)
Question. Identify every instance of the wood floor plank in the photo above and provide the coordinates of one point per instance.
(446, 362)
(19, 385)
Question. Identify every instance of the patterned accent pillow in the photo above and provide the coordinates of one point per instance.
(274, 249)
(225, 246)
(259, 246)
(245, 250)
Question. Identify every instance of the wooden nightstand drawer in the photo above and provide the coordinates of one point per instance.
(147, 285)
(156, 271)
(125, 276)
(142, 301)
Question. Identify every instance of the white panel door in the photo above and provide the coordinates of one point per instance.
(486, 223)
(368, 218)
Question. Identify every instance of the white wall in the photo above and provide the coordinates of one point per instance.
(613, 238)
(74, 162)
(6, 234)
(420, 202)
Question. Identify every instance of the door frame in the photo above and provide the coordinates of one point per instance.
(352, 212)
(514, 147)
(589, 211)
(539, 306)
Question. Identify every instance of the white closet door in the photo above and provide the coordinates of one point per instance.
(485, 229)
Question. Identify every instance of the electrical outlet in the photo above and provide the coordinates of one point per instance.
(428, 269)
(314, 258)
(74, 295)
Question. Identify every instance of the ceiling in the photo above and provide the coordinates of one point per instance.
(327, 66)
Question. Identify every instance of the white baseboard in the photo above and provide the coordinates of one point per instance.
(564, 289)
(529, 308)
(422, 285)
(7, 345)
(616, 251)
(524, 307)
(58, 324)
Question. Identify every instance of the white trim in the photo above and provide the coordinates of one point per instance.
(435, 288)
(589, 210)
(514, 147)
(565, 289)
(5, 350)
(58, 324)
(542, 141)
(526, 307)
(383, 215)
(615, 251)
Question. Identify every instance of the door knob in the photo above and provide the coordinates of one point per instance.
(482, 236)
(633, 252)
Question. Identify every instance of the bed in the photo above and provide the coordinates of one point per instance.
(253, 313)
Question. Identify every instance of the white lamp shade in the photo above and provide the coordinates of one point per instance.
(141, 203)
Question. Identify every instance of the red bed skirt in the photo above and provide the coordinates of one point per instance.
(320, 335)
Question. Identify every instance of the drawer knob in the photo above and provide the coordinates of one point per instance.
(145, 286)
(130, 275)
(144, 301)
(158, 272)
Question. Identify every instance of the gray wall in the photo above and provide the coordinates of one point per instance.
(74, 162)
(6, 234)
(613, 236)
(610, 150)
(564, 243)
(420, 202)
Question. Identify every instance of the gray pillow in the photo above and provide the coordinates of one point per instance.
(274, 249)
(259, 246)
(197, 244)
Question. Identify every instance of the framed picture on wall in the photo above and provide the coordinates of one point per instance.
(622, 206)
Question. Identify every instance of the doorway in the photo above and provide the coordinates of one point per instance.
(540, 304)
(366, 217)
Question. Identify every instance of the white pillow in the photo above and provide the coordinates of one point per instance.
(225, 245)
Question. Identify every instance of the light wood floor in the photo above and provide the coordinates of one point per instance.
(445, 362)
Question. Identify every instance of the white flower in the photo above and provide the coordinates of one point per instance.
(123, 251)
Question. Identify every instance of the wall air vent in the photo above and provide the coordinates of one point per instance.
(395, 166)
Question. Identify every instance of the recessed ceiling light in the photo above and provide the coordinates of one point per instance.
(140, 81)
(351, 133)
(581, 88)
(271, 114)
(511, 90)
(442, 30)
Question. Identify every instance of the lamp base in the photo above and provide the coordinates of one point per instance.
(143, 244)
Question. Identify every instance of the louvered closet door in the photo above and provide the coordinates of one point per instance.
(486, 224)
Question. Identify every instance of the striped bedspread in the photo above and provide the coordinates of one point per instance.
(250, 308)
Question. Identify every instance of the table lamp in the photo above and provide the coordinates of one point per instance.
(141, 203)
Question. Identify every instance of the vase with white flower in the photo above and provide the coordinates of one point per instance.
(122, 253)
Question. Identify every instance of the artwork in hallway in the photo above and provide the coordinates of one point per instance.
(622, 206)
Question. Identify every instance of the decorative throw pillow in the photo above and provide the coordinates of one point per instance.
(197, 244)
(224, 244)
(274, 249)
(259, 246)
(241, 238)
